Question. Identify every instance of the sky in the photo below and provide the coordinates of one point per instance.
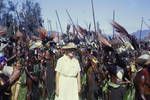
(127, 12)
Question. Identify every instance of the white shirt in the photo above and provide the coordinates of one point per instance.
(67, 66)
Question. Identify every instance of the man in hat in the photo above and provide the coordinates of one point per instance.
(68, 75)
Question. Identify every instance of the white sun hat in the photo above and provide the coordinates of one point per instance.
(70, 45)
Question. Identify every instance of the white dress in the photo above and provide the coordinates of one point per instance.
(68, 87)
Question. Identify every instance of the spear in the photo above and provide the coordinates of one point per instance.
(59, 21)
(93, 13)
(71, 21)
(148, 26)
(113, 21)
(57, 27)
(69, 17)
(59, 24)
(50, 25)
(141, 28)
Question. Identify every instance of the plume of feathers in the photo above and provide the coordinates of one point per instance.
(122, 31)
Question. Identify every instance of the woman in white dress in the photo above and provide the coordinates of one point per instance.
(68, 75)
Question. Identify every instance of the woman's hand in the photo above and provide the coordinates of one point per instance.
(57, 83)
(57, 92)
(79, 82)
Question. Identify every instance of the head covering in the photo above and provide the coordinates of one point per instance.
(143, 59)
(37, 44)
(70, 45)
(43, 32)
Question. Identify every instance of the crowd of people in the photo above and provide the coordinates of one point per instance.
(88, 66)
